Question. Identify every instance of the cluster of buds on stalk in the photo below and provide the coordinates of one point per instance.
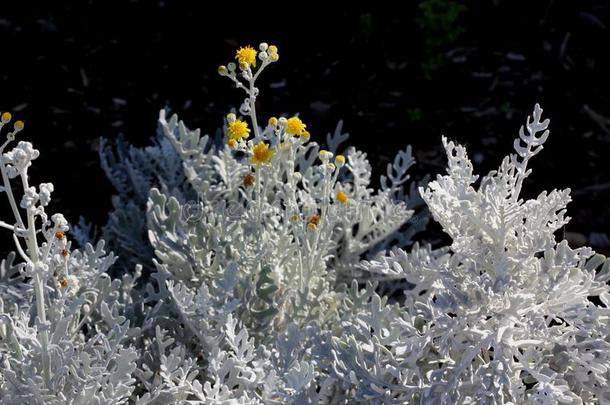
(30, 221)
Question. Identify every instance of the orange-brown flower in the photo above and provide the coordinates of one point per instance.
(315, 219)
(249, 180)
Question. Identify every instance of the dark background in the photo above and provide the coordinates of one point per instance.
(469, 70)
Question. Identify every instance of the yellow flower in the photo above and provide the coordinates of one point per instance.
(340, 160)
(342, 197)
(312, 227)
(246, 55)
(6, 117)
(238, 130)
(294, 126)
(222, 70)
(305, 136)
(232, 143)
(19, 125)
(261, 154)
(273, 122)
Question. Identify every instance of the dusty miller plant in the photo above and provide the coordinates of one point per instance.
(509, 315)
(254, 273)
(261, 268)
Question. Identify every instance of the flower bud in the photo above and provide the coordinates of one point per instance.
(325, 155)
(342, 197)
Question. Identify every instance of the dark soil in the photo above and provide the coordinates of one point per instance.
(75, 73)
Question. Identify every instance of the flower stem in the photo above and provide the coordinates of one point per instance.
(39, 283)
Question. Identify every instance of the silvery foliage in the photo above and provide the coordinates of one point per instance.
(243, 281)
(508, 315)
(245, 296)
(62, 338)
(251, 289)
(133, 172)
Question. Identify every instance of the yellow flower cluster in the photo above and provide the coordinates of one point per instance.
(246, 57)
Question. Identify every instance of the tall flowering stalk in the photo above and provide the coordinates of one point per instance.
(46, 354)
(13, 164)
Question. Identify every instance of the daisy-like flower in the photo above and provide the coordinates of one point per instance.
(261, 154)
(246, 55)
(294, 126)
(238, 130)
